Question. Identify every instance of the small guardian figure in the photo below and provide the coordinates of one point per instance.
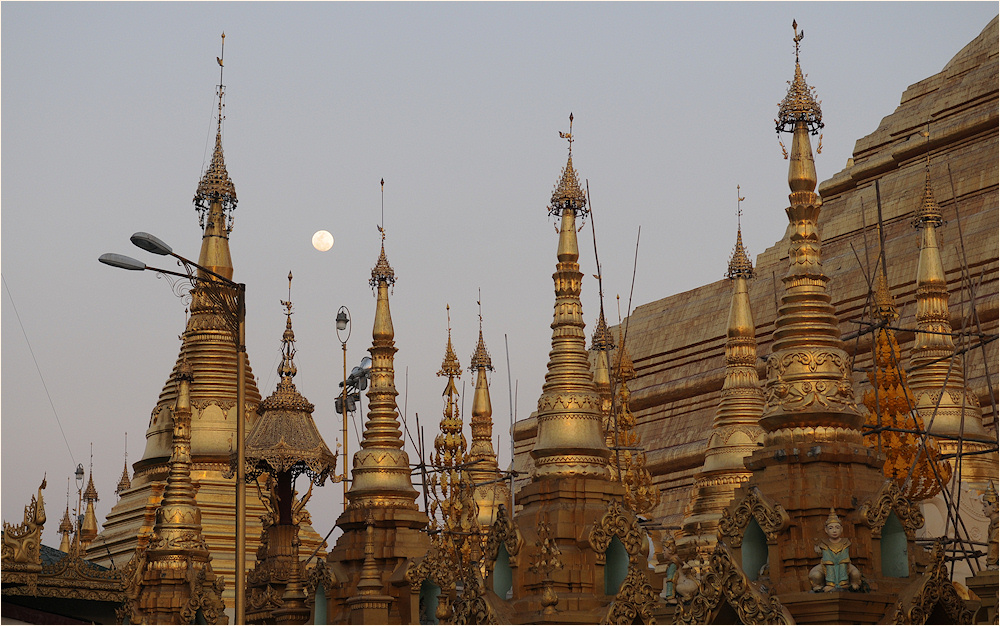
(835, 572)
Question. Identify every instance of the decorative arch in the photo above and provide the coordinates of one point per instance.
(635, 598)
(770, 516)
(890, 499)
(933, 590)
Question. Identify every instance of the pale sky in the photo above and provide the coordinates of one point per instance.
(108, 121)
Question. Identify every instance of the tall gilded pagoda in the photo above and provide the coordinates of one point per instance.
(817, 534)
(735, 430)
(580, 558)
(207, 346)
(381, 488)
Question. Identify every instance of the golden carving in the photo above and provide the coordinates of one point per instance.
(503, 532)
(912, 460)
(724, 581)
(917, 601)
(22, 542)
(890, 499)
(635, 599)
(618, 522)
(545, 561)
(771, 517)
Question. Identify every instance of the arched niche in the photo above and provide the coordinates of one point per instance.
(616, 561)
(503, 576)
(753, 550)
(429, 593)
(895, 556)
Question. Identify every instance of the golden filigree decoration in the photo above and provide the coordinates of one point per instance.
(890, 499)
(800, 103)
(546, 560)
(770, 516)
(917, 601)
(502, 533)
(635, 599)
(912, 461)
(724, 581)
(622, 523)
(929, 213)
(22, 542)
(567, 195)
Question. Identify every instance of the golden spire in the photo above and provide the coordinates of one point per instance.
(809, 380)
(570, 440)
(628, 459)
(937, 378)
(601, 344)
(482, 456)
(450, 444)
(381, 474)
(735, 429)
(174, 573)
(285, 437)
(89, 528)
(66, 526)
(215, 200)
(124, 482)
(889, 402)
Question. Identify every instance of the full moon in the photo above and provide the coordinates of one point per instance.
(322, 240)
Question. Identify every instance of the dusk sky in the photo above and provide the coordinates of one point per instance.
(108, 122)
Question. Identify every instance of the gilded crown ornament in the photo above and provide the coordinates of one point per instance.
(739, 262)
(800, 103)
(567, 195)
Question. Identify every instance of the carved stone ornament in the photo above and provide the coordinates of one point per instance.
(472, 607)
(21, 544)
(433, 567)
(618, 522)
(917, 602)
(724, 581)
(890, 499)
(319, 575)
(635, 599)
(771, 517)
(502, 532)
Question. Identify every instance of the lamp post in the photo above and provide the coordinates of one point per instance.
(79, 493)
(234, 311)
(344, 323)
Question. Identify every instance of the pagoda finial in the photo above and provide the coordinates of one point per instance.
(450, 365)
(739, 262)
(567, 195)
(800, 103)
(382, 270)
(481, 358)
(215, 184)
(287, 369)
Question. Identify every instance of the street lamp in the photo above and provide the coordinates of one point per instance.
(234, 311)
(344, 323)
(79, 492)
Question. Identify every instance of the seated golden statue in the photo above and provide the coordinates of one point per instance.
(835, 572)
